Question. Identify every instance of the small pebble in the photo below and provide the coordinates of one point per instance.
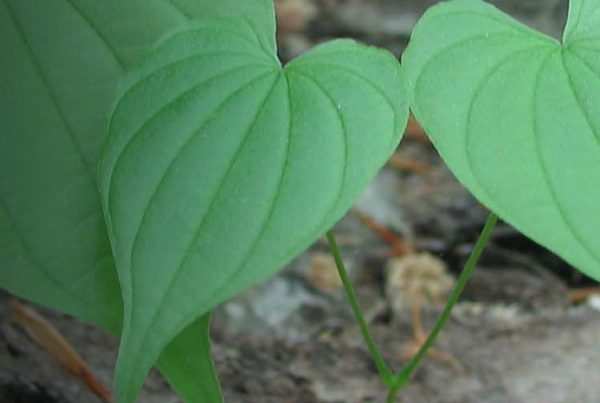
(594, 302)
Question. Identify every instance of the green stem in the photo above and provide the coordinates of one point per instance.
(385, 374)
(391, 397)
(401, 378)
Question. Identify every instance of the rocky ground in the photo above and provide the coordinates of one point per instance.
(519, 333)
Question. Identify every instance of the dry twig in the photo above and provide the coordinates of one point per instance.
(47, 337)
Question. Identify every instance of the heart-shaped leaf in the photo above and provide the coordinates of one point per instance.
(60, 65)
(60, 62)
(221, 165)
(516, 116)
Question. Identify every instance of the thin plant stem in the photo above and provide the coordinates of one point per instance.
(391, 397)
(385, 374)
(402, 377)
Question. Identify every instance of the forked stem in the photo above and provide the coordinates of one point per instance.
(396, 381)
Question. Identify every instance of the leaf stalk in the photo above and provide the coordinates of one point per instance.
(385, 373)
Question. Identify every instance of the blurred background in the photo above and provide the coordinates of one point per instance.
(526, 330)
(387, 23)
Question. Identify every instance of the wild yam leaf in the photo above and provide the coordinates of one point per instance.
(60, 62)
(515, 115)
(54, 92)
(221, 165)
(60, 65)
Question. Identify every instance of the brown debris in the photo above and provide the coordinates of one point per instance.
(578, 295)
(294, 15)
(415, 131)
(48, 337)
(408, 165)
(399, 246)
(421, 275)
(322, 273)
(412, 281)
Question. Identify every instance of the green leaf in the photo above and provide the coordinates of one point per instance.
(53, 102)
(514, 114)
(62, 60)
(220, 166)
(60, 64)
(186, 363)
(258, 14)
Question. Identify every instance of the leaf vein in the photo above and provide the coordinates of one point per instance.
(578, 100)
(567, 223)
(477, 91)
(340, 118)
(193, 57)
(139, 131)
(250, 253)
(442, 52)
(585, 48)
(53, 98)
(511, 23)
(46, 272)
(211, 205)
(179, 9)
(264, 51)
(100, 36)
(178, 154)
(363, 78)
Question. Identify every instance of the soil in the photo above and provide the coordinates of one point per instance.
(292, 339)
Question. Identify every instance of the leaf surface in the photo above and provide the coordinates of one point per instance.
(220, 166)
(515, 115)
(187, 364)
(60, 62)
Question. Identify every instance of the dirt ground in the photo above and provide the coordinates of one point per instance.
(516, 336)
